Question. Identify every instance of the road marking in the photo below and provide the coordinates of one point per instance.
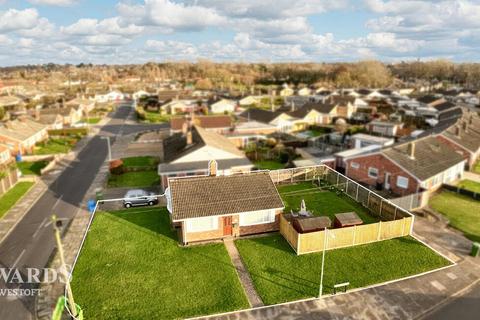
(18, 259)
(437, 285)
(39, 227)
(58, 200)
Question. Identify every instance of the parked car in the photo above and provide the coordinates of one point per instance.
(139, 197)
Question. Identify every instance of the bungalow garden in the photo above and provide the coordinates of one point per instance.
(132, 266)
(134, 172)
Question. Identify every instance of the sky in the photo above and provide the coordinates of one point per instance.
(132, 31)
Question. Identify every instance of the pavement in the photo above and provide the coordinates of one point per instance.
(471, 176)
(410, 298)
(31, 243)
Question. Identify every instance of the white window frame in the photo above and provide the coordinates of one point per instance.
(375, 169)
(269, 215)
(354, 165)
(400, 184)
(192, 224)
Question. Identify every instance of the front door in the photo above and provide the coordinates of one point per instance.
(387, 180)
(227, 226)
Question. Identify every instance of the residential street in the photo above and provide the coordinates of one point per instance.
(465, 307)
(31, 243)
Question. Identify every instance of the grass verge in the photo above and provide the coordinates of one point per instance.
(33, 168)
(145, 161)
(279, 275)
(131, 267)
(268, 165)
(8, 199)
(462, 212)
(56, 145)
(134, 179)
(470, 185)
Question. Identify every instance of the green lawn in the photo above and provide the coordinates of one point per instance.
(462, 211)
(155, 117)
(279, 275)
(470, 185)
(134, 179)
(131, 267)
(321, 202)
(268, 165)
(8, 199)
(93, 120)
(145, 161)
(56, 145)
(476, 167)
(32, 167)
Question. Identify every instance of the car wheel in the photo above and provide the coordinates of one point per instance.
(150, 203)
(128, 205)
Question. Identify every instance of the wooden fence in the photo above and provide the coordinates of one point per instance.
(344, 237)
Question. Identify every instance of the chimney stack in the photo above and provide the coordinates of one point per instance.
(212, 168)
(411, 150)
(470, 119)
(292, 107)
(465, 126)
(457, 131)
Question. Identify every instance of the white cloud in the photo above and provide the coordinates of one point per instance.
(105, 40)
(13, 19)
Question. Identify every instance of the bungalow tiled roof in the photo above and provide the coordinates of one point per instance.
(468, 139)
(222, 195)
(444, 106)
(206, 122)
(431, 157)
(320, 107)
(21, 130)
(260, 115)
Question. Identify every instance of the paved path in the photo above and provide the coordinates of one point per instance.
(406, 299)
(253, 298)
(471, 176)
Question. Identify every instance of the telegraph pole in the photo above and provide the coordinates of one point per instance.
(71, 302)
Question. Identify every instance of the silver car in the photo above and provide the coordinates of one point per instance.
(139, 197)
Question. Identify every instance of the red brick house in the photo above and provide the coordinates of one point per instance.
(214, 207)
(403, 169)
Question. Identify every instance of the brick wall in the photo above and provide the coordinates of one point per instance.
(383, 165)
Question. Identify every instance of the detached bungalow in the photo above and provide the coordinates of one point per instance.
(408, 168)
(223, 106)
(219, 124)
(21, 135)
(188, 153)
(214, 207)
(384, 128)
(249, 100)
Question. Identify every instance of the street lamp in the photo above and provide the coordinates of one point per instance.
(109, 148)
(325, 240)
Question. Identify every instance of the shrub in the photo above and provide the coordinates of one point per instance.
(116, 167)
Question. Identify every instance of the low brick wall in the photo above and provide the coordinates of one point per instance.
(8, 182)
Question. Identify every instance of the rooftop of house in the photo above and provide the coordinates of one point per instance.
(207, 196)
(430, 157)
(21, 129)
(320, 107)
(207, 122)
(369, 137)
(428, 99)
(444, 106)
(465, 132)
(260, 115)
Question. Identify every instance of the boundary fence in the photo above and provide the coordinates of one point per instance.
(462, 191)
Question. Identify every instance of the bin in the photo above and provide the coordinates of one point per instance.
(475, 249)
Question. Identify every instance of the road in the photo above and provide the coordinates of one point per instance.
(31, 242)
(465, 307)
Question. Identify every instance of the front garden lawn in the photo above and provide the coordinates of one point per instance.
(33, 167)
(155, 117)
(476, 167)
(131, 267)
(268, 165)
(470, 185)
(8, 199)
(462, 211)
(93, 120)
(143, 161)
(321, 202)
(56, 145)
(279, 275)
(134, 179)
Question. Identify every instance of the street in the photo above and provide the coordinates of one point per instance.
(31, 242)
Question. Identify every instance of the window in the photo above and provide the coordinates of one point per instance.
(402, 182)
(354, 165)
(202, 224)
(372, 172)
(257, 217)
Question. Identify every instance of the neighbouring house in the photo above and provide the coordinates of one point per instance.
(111, 96)
(243, 133)
(464, 136)
(52, 121)
(223, 106)
(249, 100)
(423, 164)
(286, 92)
(21, 135)
(188, 153)
(345, 105)
(174, 107)
(10, 102)
(218, 123)
(279, 118)
(8, 172)
(304, 92)
(315, 113)
(384, 128)
(70, 114)
(83, 104)
(215, 207)
(361, 140)
(431, 100)
(140, 94)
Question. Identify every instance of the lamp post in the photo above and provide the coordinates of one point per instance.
(325, 240)
(109, 148)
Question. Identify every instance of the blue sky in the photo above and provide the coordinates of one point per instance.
(133, 31)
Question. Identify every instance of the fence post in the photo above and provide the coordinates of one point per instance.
(379, 230)
(395, 214)
(354, 233)
(356, 197)
(368, 200)
(403, 226)
(338, 179)
(411, 202)
(381, 202)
